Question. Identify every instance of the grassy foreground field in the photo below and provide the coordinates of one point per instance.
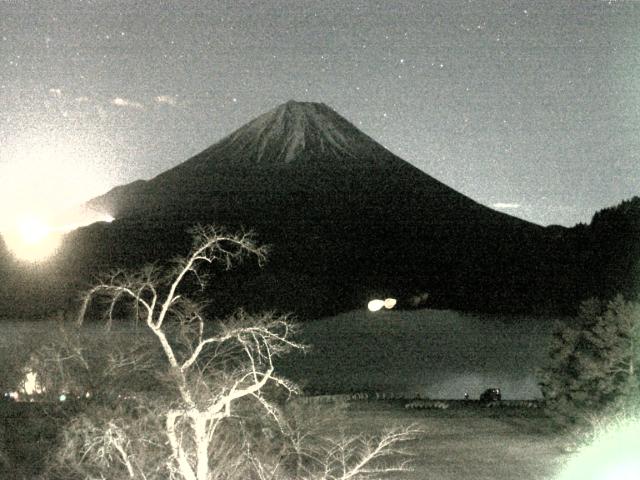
(471, 443)
(28, 433)
(462, 443)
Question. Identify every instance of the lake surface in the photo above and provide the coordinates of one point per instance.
(434, 353)
(430, 353)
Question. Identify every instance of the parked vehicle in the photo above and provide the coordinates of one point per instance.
(491, 395)
(10, 396)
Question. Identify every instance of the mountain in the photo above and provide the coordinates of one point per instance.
(297, 148)
(345, 217)
(346, 221)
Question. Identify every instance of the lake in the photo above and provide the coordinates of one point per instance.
(434, 353)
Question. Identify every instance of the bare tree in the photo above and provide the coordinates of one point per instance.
(211, 370)
(315, 451)
(344, 458)
(214, 375)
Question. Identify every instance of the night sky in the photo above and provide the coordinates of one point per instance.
(529, 107)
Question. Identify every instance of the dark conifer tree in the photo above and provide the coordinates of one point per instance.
(593, 360)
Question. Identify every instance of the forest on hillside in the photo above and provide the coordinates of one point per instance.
(550, 274)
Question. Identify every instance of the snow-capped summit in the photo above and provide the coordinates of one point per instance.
(293, 132)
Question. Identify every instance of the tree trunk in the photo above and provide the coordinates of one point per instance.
(202, 447)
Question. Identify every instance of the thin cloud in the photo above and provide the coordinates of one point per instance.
(166, 100)
(55, 92)
(506, 206)
(123, 102)
(82, 99)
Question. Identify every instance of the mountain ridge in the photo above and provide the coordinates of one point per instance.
(297, 147)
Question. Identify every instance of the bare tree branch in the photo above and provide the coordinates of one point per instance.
(213, 370)
(159, 298)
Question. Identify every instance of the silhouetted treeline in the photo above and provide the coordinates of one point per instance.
(615, 236)
(320, 268)
(601, 259)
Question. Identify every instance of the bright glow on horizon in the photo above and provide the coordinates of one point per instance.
(88, 221)
(33, 230)
(32, 239)
(45, 175)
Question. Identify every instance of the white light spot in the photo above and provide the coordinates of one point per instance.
(123, 102)
(375, 305)
(31, 384)
(389, 303)
(506, 206)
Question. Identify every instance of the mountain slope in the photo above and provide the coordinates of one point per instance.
(346, 219)
(303, 148)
